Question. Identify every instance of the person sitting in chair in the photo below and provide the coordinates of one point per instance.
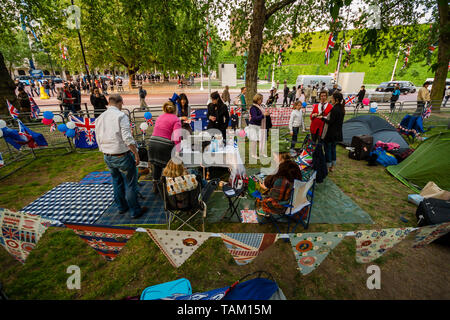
(279, 186)
(174, 169)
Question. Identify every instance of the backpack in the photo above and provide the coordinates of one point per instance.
(361, 147)
(142, 94)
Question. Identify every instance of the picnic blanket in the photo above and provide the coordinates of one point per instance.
(330, 205)
(97, 177)
(72, 202)
(280, 116)
(333, 206)
(155, 214)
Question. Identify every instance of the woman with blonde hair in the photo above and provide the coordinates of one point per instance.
(257, 126)
(166, 135)
(174, 169)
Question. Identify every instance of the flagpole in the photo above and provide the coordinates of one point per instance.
(395, 65)
(340, 48)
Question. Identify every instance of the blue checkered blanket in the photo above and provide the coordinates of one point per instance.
(72, 202)
(97, 177)
(155, 214)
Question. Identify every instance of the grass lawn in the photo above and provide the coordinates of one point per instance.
(406, 273)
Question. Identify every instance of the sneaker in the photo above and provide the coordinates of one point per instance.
(143, 210)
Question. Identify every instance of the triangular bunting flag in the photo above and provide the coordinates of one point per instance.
(178, 246)
(372, 244)
(244, 247)
(20, 232)
(107, 241)
(310, 249)
(428, 234)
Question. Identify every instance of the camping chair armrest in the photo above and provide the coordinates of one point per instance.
(288, 205)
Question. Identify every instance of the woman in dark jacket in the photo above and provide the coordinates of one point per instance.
(218, 115)
(332, 132)
(99, 102)
(185, 112)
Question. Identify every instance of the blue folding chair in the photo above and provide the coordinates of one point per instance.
(298, 210)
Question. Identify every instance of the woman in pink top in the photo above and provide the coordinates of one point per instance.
(166, 135)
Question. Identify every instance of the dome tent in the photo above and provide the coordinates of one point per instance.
(429, 162)
(374, 126)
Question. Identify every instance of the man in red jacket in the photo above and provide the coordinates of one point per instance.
(320, 109)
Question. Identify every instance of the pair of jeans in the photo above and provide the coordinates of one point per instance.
(125, 179)
(294, 136)
(330, 153)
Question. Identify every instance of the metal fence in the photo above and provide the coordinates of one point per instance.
(59, 144)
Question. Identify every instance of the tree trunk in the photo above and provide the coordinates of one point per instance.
(256, 41)
(131, 76)
(7, 88)
(438, 89)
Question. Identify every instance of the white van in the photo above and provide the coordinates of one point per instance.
(447, 83)
(312, 80)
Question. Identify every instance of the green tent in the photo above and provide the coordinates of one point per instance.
(429, 162)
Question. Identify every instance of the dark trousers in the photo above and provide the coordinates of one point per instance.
(420, 107)
(330, 153)
(285, 101)
(157, 172)
(294, 136)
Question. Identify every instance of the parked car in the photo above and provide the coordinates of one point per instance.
(405, 87)
(382, 87)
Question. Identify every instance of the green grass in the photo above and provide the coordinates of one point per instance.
(141, 263)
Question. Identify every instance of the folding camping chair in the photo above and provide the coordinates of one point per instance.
(234, 197)
(183, 206)
(298, 210)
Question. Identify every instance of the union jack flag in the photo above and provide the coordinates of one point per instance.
(150, 122)
(426, 113)
(132, 125)
(193, 115)
(26, 136)
(432, 47)
(2, 163)
(87, 126)
(330, 45)
(53, 126)
(405, 61)
(10, 233)
(236, 110)
(350, 99)
(35, 111)
(12, 110)
(348, 47)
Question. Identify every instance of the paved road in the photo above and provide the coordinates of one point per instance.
(131, 101)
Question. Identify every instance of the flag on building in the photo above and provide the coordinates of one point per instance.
(35, 111)
(12, 110)
(330, 45)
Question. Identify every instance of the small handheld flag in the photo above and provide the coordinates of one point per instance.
(12, 110)
(35, 111)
